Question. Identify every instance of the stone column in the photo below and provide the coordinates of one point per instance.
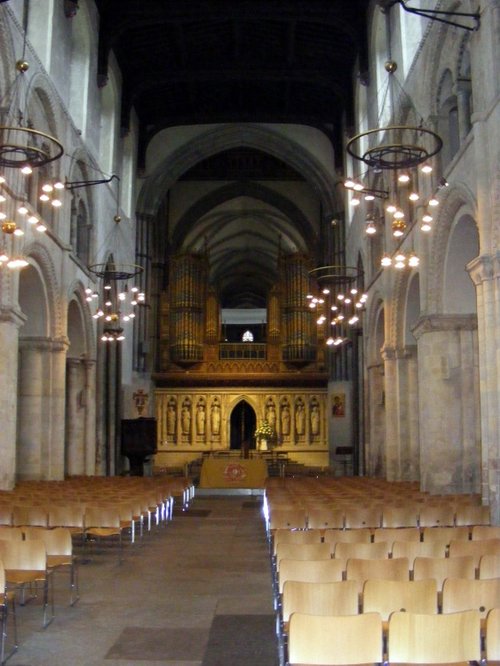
(449, 449)
(90, 417)
(10, 322)
(374, 448)
(392, 444)
(53, 453)
(30, 408)
(485, 273)
(76, 405)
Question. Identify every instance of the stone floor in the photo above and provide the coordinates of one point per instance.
(196, 593)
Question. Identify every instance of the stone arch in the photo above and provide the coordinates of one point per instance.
(249, 427)
(373, 320)
(76, 295)
(233, 190)
(225, 137)
(459, 197)
(39, 255)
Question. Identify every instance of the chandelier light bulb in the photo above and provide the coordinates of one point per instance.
(370, 228)
(404, 178)
(122, 296)
(426, 168)
(325, 291)
(134, 290)
(391, 208)
(27, 170)
(3, 216)
(358, 187)
(425, 226)
(413, 260)
(58, 185)
(355, 201)
(414, 196)
(107, 287)
(47, 187)
(329, 341)
(338, 341)
(340, 297)
(347, 301)
(386, 260)
(57, 203)
(2, 198)
(41, 228)
(400, 257)
(398, 215)
(104, 338)
(18, 232)
(44, 197)
(427, 218)
(32, 219)
(334, 308)
(433, 202)
(88, 291)
(2, 180)
(88, 298)
(364, 298)
(353, 320)
(108, 304)
(22, 210)
(399, 265)
(349, 183)
(3, 257)
(369, 197)
(120, 338)
(358, 305)
(132, 315)
(312, 305)
(126, 318)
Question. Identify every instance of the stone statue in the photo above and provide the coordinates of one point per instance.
(201, 416)
(285, 420)
(315, 420)
(299, 419)
(271, 416)
(215, 418)
(171, 418)
(186, 419)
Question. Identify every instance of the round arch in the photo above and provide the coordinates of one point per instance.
(225, 137)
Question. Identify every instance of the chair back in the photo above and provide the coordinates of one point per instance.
(23, 555)
(475, 549)
(489, 566)
(367, 551)
(302, 551)
(460, 594)
(472, 515)
(290, 519)
(57, 541)
(335, 639)
(481, 532)
(441, 568)
(445, 534)
(438, 639)
(310, 571)
(437, 516)
(338, 598)
(357, 517)
(319, 518)
(295, 536)
(391, 534)
(11, 533)
(361, 535)
(413, 549)
(363, 570)
(388, 596)
(493, 635)
(400, 516)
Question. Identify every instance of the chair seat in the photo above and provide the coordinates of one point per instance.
(59, 561)
(20, 576)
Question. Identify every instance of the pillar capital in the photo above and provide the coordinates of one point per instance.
(444, 322)
(12, 316)
(484, 268)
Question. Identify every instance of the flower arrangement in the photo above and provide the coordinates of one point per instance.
(264, 431)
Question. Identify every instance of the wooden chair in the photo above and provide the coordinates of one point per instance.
(59, 548)
(388, 596)
(325, 519)
(401, 516)
(445, 534)
(357, 517)
(335, 640)
(475, 549)
(493, 635)
(361, 535)
(461, 594)
(338, 598)
(290, 519)
(489, 566)
(413, 549)
(295, 536)
(437, 516)
(362, 570)
(482, 532)
(440, 568)
(34, 516)
(7, 599)
(6, 514)
(391, 534)
(104, 523)
(25, 563)
(11, 533)
(302, 551)
(367, 551)
(472, 515)
(416, 638)
(310, 571)
(69, 516)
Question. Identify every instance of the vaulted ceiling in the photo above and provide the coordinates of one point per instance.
(202, 62)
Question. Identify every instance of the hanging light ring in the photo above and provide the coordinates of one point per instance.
(336, 274)
(115, 272)
(18, 147)
(396, 146)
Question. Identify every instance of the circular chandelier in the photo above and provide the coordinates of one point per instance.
(337, 298)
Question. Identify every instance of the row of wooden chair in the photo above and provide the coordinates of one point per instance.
(375, 517)
(413, 638)
(388, 596)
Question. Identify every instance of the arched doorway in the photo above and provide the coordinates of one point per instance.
(242, 426)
